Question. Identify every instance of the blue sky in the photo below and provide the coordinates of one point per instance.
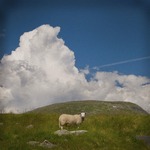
(100, 32)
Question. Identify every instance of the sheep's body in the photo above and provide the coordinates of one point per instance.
(67, 119)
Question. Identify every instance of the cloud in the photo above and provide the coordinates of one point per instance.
(42, 71)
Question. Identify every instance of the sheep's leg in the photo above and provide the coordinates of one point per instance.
(61, 127)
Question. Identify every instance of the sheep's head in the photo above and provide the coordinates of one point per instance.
(83, 115)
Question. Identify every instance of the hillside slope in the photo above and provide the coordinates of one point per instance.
(105, 132)
(91, 107)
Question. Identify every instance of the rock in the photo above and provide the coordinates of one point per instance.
(66, 132)
(29, 126)
(62, 132)
(78, 132)
(146, 139)
(34, 143)
(47, 144)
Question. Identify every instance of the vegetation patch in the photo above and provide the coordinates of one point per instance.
(104, 132)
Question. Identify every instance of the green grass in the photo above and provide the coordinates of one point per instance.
(105, 132)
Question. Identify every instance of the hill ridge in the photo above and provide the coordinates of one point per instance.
(91, 107)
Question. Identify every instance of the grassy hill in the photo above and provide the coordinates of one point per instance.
(91, 107)
(110, 126)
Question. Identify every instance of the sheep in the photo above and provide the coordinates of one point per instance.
(67, 119)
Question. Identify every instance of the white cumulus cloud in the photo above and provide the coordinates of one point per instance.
(42, 71)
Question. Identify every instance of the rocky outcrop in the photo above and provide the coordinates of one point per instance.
(29, 126)
(45, 144)
(66, 132)
(146, 139)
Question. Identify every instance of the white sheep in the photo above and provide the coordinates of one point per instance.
(67, 119)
